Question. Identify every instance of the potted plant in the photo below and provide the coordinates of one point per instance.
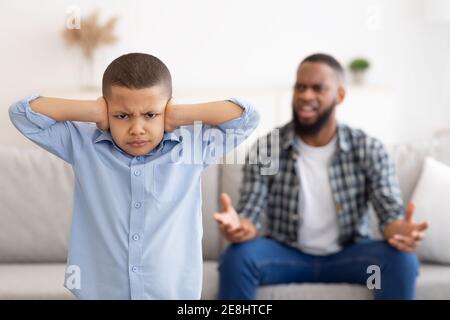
(358, 68)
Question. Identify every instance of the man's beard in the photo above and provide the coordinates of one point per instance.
(313, 128)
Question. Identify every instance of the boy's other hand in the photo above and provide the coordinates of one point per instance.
(233, 228)
(103, 123)
(170, 123)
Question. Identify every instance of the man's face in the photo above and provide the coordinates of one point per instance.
(136, 118)
(316, 92)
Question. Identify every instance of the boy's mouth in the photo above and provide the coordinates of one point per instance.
(138, 143)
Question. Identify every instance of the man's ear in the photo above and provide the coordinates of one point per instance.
(341, 94)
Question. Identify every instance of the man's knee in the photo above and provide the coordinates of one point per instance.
(401, 262)
(238, 255)
(237, 251)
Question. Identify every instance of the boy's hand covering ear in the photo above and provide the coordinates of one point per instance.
(103, 123)
(169, 117)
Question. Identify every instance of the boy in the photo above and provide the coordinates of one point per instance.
(136, 226)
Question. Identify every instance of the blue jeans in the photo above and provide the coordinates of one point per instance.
(245, 266)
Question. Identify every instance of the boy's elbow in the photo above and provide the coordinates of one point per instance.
(13, 111)
(254, 119)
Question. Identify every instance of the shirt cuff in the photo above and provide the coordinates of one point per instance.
(243, 120)
(38, 119)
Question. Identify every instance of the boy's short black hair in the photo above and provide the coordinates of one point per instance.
(136, 71)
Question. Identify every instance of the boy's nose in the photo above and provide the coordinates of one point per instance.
(137, 129)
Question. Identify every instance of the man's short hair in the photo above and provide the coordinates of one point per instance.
(136, 71)
(329, 61)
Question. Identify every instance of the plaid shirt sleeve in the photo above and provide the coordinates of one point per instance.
(383, 186)
(253, 191)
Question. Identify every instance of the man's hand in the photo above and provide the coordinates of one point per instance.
(404, 234)
(233, 228)
(103, 123)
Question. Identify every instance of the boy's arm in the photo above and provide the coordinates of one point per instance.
(212, 113)
(73, 110)
(219, 127)
(45, 122)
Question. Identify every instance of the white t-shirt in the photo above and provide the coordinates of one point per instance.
(318, 223)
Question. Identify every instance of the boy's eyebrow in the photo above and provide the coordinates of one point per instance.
(126, 110)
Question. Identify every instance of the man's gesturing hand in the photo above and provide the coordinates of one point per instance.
(233, 228)
(405, 234)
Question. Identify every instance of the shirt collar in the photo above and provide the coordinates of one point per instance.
(106, 136)
(342, 137)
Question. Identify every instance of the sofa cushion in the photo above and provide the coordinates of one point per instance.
(433, 205)
(314, 291)
(409, 159)
(34, 281)
(210, 280)
(36, 197)
(433, 282)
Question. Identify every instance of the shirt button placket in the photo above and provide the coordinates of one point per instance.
(136, 228)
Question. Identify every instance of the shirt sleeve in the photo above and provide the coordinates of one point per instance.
(209, 143)
(384, 189)
(55, 137)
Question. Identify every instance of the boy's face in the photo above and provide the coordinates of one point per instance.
(136, 118)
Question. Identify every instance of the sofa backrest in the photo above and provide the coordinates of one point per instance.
(35, 205)
(36, 198)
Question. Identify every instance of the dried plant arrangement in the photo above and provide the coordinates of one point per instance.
(91, 34)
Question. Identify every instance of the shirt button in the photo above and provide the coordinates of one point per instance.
(138, 158)
(134, 269)
(137, 205)
(137, 172)
(136, 237)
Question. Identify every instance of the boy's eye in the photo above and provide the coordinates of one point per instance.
(121, 116)
(150, 115)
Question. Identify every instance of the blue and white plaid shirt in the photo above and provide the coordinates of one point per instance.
(361, 172)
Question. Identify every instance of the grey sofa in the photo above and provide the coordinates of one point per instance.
(35, 206)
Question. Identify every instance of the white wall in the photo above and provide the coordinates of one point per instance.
(241, 44)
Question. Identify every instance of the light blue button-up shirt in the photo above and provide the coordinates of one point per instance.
(137, 225)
